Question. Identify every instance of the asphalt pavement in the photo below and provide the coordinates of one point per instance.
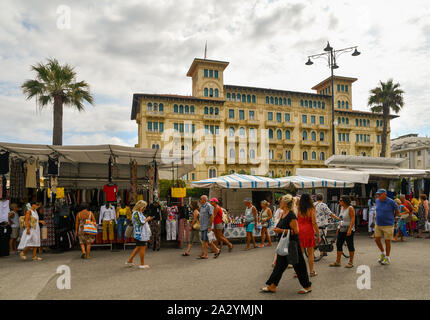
(235, 275)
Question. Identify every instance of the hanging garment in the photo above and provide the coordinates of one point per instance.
(31, 166)
(4, 211)
(155, 241)
(110, 192)
(183, 232)
(53, 166)
(48, 217)
(171, 228)
(4, 162)
(17, 179)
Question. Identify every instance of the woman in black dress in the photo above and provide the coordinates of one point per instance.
(288, 221)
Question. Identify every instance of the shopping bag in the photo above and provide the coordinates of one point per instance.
(44, 233)
(211, 237)
(129, 231)
(427, 226)
(282, 248)
(90, 227)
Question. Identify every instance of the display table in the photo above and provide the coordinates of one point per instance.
(240, 232)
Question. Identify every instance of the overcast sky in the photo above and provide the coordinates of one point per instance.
(125, 47)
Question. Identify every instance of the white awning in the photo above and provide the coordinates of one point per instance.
(239, 181)
(303, 182)
(362, 175)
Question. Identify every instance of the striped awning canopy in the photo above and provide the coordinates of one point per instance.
(240, 181)
(303, 182)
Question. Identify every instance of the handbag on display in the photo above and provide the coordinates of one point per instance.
(282, 248)
(90, 227)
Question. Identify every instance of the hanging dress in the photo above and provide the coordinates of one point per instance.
(32, 239)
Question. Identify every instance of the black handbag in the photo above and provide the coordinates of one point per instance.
(293, 256)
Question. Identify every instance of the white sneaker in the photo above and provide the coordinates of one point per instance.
(144, 267)
(386, 261)
(128, 264)
(381, 258)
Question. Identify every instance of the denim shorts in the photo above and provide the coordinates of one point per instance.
(205, 236)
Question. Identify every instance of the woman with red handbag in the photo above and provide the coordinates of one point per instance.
(84, 218)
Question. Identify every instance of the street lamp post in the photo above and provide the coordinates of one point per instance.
(331, 56)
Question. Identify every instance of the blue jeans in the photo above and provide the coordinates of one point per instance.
(121, 226)
(204, 236)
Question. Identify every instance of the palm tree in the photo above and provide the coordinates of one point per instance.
(56, 84)
(388, 97)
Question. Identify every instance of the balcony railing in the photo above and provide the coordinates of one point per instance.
(214, 117)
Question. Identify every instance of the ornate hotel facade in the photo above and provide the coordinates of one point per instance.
(254, 130)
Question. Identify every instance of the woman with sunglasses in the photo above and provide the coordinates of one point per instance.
(345, 231)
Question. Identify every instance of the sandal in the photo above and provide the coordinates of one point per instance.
(200, 257)
(349, 265)
(304, 291)
(185, 254)
(23, 256)
(334, 264)
(266, 290)
(313, 274)
(217, 254)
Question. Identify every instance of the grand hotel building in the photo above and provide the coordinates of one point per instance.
(245, 125)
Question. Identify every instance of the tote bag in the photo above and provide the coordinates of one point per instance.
(90, 227)
(282, 248)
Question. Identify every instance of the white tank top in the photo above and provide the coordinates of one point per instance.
(346, 219)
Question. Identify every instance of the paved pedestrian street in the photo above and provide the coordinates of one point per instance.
(235, 275)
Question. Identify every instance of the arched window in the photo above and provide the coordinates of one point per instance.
(288, 155)
(243, 98)
(267, 100)
(272, 101)
(155, 108)
(270, 133)
(338, 104)
(339, 120)
(280, 101)
(361, 122)
(238, 97)
(305, 155)
(321, 136)
(192, 109)
(232, 153)
(289, 101)
(323, 105)
(216, 93)
(187, 109)
(212, 173)
(211, 92)
(181, 109)
(306, 103)
(313, 136)
(206, 110)
(276, 101)
(346, 105)
(242, 154)
(368, 122)
(319, 104)
(301, 103)
(211, 110)
(206, 92)
(322, 156)
(175, 108)
(161, 107)
(149, 106)
(252, 154)
(315, 104)
(356, 122)
(216, 111)
(242, 132)
(287, 135)
(279, 134)
(347, 120)
(310, 104)
(248, 98)
(153, 146)
(377, 123)
(228, 96)
(252, 133)
(314, 155)
(231, 132)
(305, 135)
(233, 97)
(343, 104)
(253, 99)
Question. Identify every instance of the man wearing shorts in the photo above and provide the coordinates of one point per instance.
(386, 210)
(206, 220)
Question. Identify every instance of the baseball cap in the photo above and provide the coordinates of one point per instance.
(214, 200)
(381, 191)
(247, 199)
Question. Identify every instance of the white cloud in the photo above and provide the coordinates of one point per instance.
(121, 48)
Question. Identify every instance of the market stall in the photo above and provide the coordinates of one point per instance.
(232, 189)
(103, 176)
